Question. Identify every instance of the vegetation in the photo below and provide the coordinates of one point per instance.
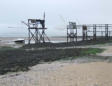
(91, 51)
(13, 60)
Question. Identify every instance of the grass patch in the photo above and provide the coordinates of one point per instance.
(94, 51)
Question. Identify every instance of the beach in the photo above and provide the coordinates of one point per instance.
(62, 74)
(76, 72)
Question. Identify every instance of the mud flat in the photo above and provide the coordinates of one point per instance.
(55, 42)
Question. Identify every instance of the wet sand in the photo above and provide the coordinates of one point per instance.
(9, 41)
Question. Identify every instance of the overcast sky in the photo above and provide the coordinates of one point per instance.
(58, 14)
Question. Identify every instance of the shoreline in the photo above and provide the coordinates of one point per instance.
(86, 70)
